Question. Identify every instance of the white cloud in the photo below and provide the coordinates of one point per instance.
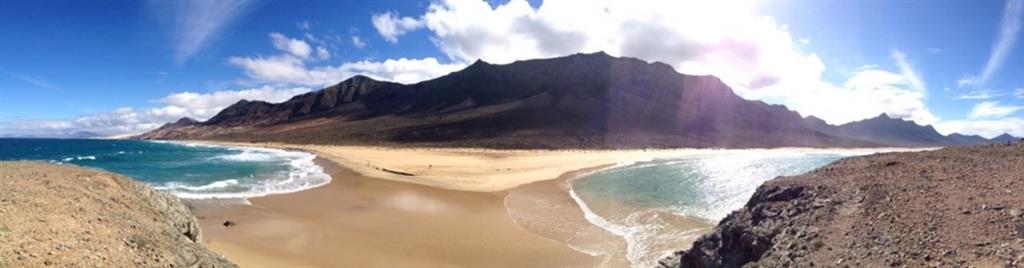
(289, 70)
(35, 81)
(295, 47)
(933, 50)
(293, 67)
(907, 70)
(196, 24)
(303, 25)
(358, 42)
(992, 109)
(322, 53)
(988, 128)
(1009, 28)
(390, 26)
(979, 94)
(128, 120)
(202, 106)
(1019, 93)
(869, 92)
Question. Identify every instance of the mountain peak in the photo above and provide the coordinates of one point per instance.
(359, 78)
(185, 121)
(1005, 137)
(479, 62)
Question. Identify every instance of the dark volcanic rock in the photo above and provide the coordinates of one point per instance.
(968, 139)
(886, 130)
(954, 207)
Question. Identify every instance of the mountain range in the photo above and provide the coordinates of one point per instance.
(577, 101)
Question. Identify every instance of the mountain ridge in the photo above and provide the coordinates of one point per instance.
(577, 101)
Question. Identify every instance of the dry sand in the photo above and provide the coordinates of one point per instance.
(448, 212)
(487, 170)
(357, 221)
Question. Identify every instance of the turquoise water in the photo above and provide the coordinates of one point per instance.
(185, 170)
(659, 206)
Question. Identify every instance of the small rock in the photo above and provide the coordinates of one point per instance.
(1016, 212)
(228, 223)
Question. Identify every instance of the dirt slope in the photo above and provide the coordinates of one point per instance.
(68, 216)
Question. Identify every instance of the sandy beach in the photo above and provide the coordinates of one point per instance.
(390, 207)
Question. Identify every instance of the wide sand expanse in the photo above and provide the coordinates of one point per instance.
(487, 170)
(389, 207)
(357, 221)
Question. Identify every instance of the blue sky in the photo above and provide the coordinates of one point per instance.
(117, 67)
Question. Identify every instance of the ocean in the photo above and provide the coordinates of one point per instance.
(186, 170)
(655, 208)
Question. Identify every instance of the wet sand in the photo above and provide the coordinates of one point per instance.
(357, 221)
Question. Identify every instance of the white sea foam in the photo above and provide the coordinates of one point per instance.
(634, 234)
(78, 158)
(211, 186)
(301, 174)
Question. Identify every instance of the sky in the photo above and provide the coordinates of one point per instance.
(125, 67)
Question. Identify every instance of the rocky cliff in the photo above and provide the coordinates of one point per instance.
(954, 207)
(68, 216)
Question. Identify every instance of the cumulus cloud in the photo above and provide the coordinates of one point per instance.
(869, 92)
(129, 120)
(391, 26)
(992, 109)
(291, 68)
(295, 47)
(194, 25)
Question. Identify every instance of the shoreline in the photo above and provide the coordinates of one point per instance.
(284, 218)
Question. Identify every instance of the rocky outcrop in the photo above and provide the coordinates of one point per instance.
(68, 216)
(954, 207)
